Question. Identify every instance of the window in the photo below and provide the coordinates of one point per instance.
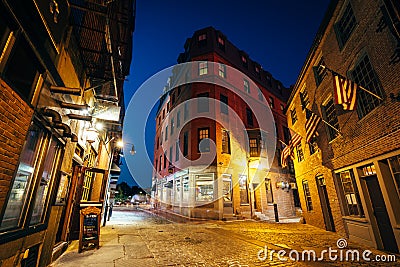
(313, 145)
(345, 26)
(349, 191)
(330, 116)
(23, 69)
(172, 126)
(268, 190)
(177, 150)
(185, 143)
(204, 141)
(271, 102)
(156, 165)
(186, 111)
(307, 195)
(299, 151)
(260, 95)
(223, 104)
(165, 159)
(203, 68)
(244, 61)
(244, 197)
(38, 162)
(159, 167)
(395, 166)
(282, 108)
(202, 40)
(319, 72)
(204, 188)
(293, 115)
(286, 134)
(254, 148)
(166, 133)
(171, 159)
(249, 115)
(221, 43)
(364, 75)
(185, 185)
(202, 102)
(178, 119)
(304, 99)
(222, 70)
(246, 86)
(226, 144)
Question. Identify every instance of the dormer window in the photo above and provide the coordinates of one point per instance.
(221, 43)
(202, 40)
(244, 61)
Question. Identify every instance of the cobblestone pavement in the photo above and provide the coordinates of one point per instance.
(137, 238)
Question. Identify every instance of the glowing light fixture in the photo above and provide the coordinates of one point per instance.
(91, 135)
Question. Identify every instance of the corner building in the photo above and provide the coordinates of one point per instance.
(348, 174)
(224, 185)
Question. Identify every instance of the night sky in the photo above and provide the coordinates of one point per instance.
(276, 34)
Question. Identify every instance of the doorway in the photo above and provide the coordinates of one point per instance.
(227, 194)
(325, 206)
(381, 214)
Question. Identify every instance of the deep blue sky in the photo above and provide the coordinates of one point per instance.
(276, 34)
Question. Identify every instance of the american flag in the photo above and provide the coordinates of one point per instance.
(312, 122)
(284, 155)
(288, 150)
(345, 91)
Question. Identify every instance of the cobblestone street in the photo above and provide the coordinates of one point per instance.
(137, 238)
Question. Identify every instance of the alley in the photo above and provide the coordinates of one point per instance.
(138, 238)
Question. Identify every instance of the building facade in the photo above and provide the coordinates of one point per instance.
(211, 155)
(348, 174)
(58, 83)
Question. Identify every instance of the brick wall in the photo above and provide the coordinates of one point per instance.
(15, 118)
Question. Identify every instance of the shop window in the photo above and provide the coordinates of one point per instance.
(351, 199)
(178, 191)
(23, 69)
(88, 177)
(307, 196)
(204, 188)
(185, 189)
(395, 166)
(244, 197)
(39, 205)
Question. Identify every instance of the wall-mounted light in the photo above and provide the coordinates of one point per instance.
(91, 135)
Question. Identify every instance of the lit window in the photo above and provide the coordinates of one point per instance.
(254, 147)
(203, 68)
(293, 115)
(244, 197)
(271, 102)
(222, 70)
(351, 198)
(300, 155)
(204, 141)
(304, 99)
(282, 108)
(395, 166)
(204, 188)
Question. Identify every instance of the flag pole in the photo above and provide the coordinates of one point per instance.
(282, 142)
(330, 125)
(359, 86)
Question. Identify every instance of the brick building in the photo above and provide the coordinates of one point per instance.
(58, 82)
(348, 174)
(211, 153)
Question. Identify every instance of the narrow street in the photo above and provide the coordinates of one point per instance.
(137, 238)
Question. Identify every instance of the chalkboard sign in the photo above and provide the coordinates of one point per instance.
(90, 227)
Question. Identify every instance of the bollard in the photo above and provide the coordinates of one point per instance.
(276, 212)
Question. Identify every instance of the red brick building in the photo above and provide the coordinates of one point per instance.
(348, 175)
(211, 154)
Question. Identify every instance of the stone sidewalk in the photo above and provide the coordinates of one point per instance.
(137, 238)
